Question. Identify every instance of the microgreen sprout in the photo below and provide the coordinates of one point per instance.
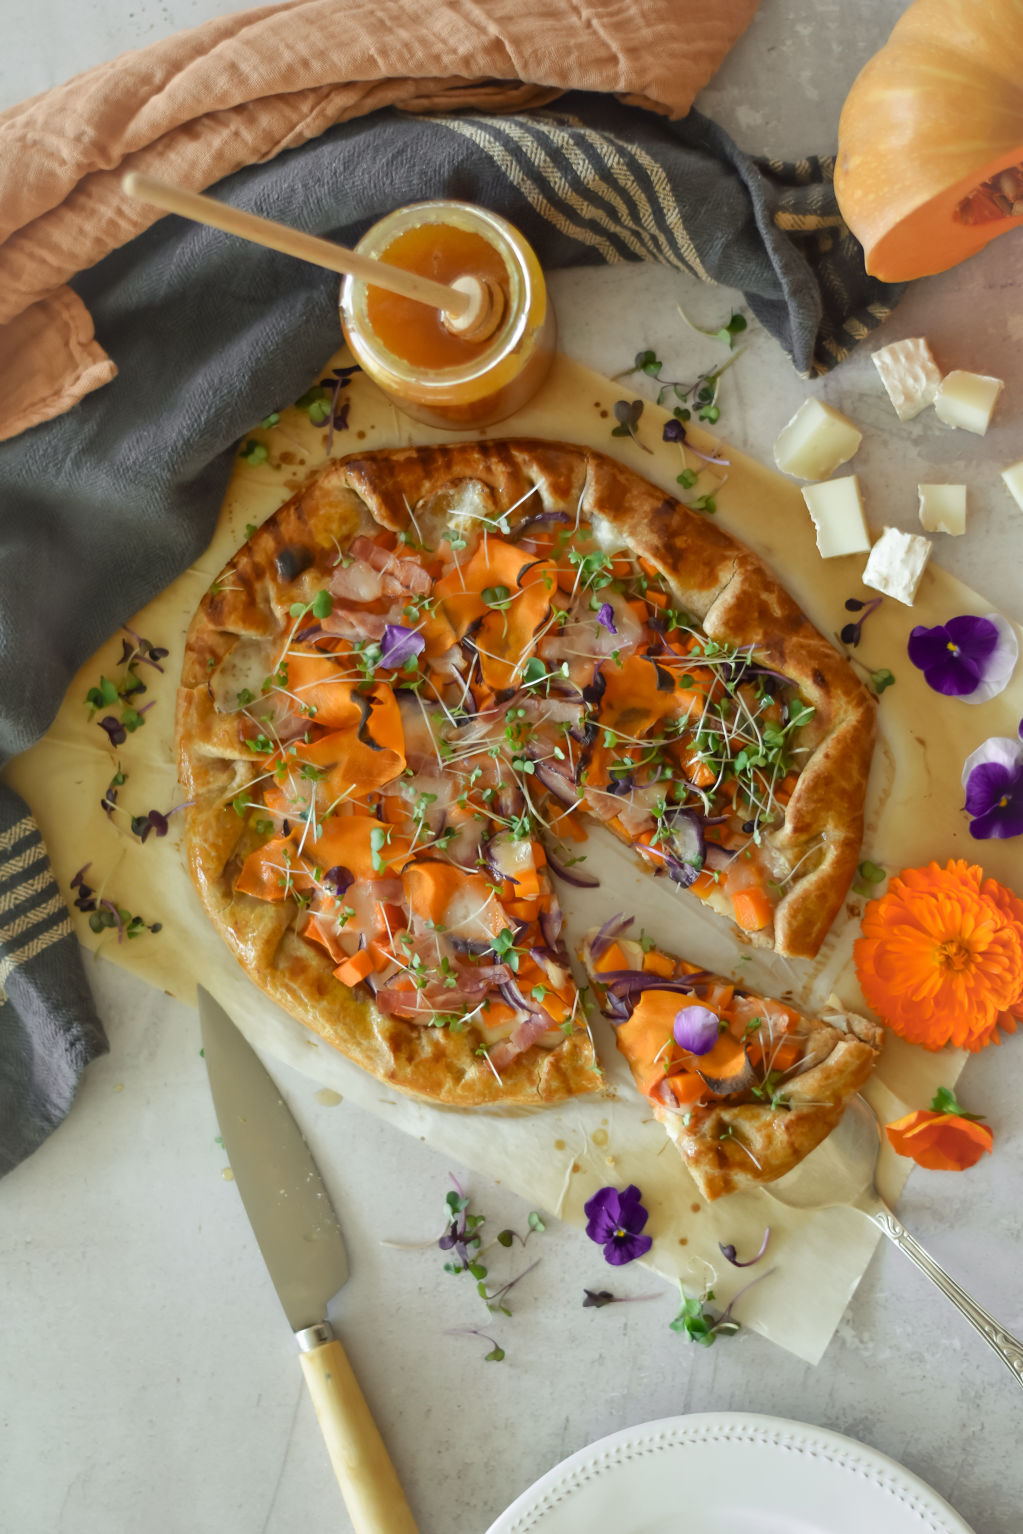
(596, 1299)
(105, 914)
(627, 414)
(321, 606)
(535, 1224)
(125, 689)
(853, 632)
(315, 402)
(727, 333)
(700, 396)
(879, 680)
(870, 874)
(702, 1325)
(728, 1252)
(699, 1324)
(496, 1354)
(253, 452)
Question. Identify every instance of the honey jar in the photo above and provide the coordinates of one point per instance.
(434, 373)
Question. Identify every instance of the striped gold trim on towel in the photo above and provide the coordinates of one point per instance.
(27, 859)
(18, 833)
(803, 223)
(476, 130)
(10, 961)
(12, 897)
(617, 152)
(33, 912)
(32, 918)
(545, 160)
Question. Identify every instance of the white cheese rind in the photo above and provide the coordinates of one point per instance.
(1013, 477)
(896, 564)
(837, 511)
(816, 441)
(910, 375)
(968, 400)
(943, 509)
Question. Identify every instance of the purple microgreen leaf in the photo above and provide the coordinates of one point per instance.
(115, 730)
(729, 1253)
(596, 1299)
(853, 632)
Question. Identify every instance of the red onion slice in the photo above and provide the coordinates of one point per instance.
(571, 876)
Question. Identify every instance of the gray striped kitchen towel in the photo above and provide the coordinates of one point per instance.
(104, 506)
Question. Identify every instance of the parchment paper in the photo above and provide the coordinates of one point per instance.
(558, 1157)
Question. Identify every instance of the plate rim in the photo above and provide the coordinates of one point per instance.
(686, 1429)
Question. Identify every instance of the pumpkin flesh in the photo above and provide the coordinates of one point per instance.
(930, 119)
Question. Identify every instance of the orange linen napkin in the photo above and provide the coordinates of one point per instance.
(240, 89)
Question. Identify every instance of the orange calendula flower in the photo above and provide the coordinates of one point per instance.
(942, 1138)
(941, 956)
(1006, 901)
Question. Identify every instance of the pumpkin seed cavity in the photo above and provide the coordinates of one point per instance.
(1001, 196)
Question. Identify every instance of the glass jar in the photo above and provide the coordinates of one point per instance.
(430, 373)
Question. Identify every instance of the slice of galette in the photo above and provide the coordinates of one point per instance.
(745, 1085)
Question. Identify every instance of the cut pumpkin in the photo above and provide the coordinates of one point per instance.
(930, 127)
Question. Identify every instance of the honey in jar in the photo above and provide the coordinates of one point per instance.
(438, 376)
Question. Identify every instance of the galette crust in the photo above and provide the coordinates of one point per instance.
(729, 1146)
(733, 594)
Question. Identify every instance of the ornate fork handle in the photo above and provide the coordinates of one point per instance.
(1008, 1347)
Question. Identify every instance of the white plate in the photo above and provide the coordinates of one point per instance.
(728, 1473)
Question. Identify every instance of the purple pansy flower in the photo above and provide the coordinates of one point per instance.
(993, 780)
(968, 657)
(615, 1221)
(696, 1029)
(606, 617)
(400, 645)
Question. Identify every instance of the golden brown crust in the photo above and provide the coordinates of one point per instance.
(725, 586)
(729, 1146)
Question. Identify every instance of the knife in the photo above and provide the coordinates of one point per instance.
(294, 1223)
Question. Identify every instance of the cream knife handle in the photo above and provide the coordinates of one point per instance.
(373, 1495)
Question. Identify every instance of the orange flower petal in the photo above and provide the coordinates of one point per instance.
(941, 956)
(942, 1142)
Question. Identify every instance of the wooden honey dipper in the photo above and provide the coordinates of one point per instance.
(470, 307)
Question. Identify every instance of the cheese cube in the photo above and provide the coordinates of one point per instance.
(896, 564)
(816, 441)
(967, 400)
(910, 375)
(943, 508)
(1013, 477)
(837, 512)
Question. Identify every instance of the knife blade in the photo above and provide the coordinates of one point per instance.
(297, 1230)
